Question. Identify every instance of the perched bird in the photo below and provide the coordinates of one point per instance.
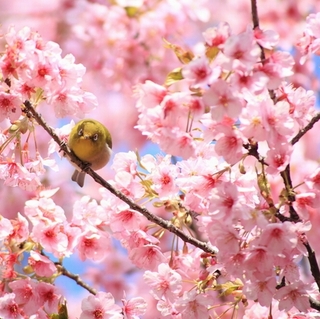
(91, 142)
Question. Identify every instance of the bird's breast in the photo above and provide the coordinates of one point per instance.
(85, 149)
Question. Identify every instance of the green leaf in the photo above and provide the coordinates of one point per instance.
(131, 11)
(212, 52)
(184, 56)
(174, 76)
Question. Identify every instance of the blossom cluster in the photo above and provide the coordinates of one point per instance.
(50, 232)
(33, 70)
(123, 40)
(230, 115)
(310, 43)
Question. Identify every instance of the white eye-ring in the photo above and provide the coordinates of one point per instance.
(80, 132)
(95, 137)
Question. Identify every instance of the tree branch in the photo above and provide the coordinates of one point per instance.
(255, 21)
(207, 247)
(313, 263)
(254, 14)
(74, 277)
(315, 304)
(286, 176)
(307, 128)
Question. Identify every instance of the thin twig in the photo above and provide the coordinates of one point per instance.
(315, 304)
(255, 21)
(207, 247)
(75, 277)
(254, 13)
(286, 176)
(307, 128)
(313, 263)
(252, 148)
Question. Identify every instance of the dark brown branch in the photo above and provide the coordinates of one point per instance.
(315, 304)
(294, 217)
(313, 263)
(254, 13)
(153, 218)
(74, 277)
(282, 218)
(307, 128)
(286, 173)
(282, 283)
(252, 148)
(31, 112)
(286, 176)
(255, 21)
(84, 166)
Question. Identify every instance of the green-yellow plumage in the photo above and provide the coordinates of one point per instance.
(91, 142)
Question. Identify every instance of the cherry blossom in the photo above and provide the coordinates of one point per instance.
(147, 256)
(128, 184)
(93, 245)
(134, 307)
(49, 296)
(166, 283)
(126, 220)
(313, 180)
(217, 36)
(278, 158)
(193, 305)
(301, 104)
(310, 43)
(278, 237)
(259, 259)
(256, 311)
(295, 295)
(225, 237)
(44, 209)
(266, 38)
(261, 289)
(304, 202)
(26, 295)
(126, 162)
(9, 308)
(241, 51)
(222, 101)
(100, 306)
(5, 228)
(229, 145)
(199, 73)
(42, 266)
(89, 215)
(9, 106)
(52, 237)
(20, 229)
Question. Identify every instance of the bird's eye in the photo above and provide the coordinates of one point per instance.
(80, 132)
(95, 137)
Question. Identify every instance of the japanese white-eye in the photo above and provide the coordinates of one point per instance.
(91, 142)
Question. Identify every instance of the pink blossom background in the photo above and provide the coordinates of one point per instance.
(119, 52)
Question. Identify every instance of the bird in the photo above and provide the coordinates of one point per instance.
(91, 142)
